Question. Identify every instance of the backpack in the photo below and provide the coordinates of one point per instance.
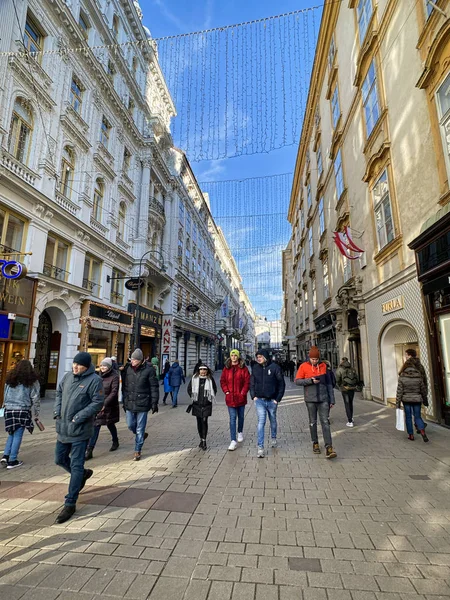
(350, 379)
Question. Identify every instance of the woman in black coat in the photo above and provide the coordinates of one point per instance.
(110, 414)
(202, 389)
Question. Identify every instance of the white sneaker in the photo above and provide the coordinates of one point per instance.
(232, 446)
(260, 453)
(240, 437)
(350, 424)
(273, 443)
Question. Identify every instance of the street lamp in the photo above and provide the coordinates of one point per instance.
(137, 331)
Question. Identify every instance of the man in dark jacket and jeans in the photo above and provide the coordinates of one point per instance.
(140, 390)
(79, 398)
(266, 389)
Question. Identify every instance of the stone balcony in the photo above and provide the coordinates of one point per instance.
(98, 227)
(17, 168)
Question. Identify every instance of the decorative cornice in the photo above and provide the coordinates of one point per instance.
(366, 51)
(374, 159)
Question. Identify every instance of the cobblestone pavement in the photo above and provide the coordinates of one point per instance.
(182, 524)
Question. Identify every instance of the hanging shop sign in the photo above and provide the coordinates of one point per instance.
(134, 283)
(146, 316)
(98, 311)
(392, 305)
(193, 308)
(11, 269)
(16, 296)
(167, 336)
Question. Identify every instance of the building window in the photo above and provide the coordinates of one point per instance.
(302, 221)
(335, 108)
(313, 294)
(76, 94)
(83, 22)
(303, 262)
(319, 161)
(347, 268)
(115, 26)
(97, 208)
(116, 294)
(91, 274)
(12, 230)
(428, 8)
(308, 194)
(126, 160)
(105, 131)
(370, 99)
(134, 65)
(33, 40)
(443, 102)
(331, 53)
(121, 220)
(306, 304)
(180, 251)
(311, 243)
(326, 280)
(339, 175)
(56, 257)
(131, 105)
(188, 252)
(67, 171)
(364, 11)
(20, 131)
(181, 212)
(383, 211)
(111, 71)
(188, 223)
(148, 295)
(321, 217)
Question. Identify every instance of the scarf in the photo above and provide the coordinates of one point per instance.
(209, 391)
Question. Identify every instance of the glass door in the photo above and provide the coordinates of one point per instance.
(444, 331)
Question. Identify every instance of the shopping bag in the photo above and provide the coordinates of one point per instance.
(400, 419)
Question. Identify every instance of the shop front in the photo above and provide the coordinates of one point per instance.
(150, 326)
(432, 248)
(105, 332)
(326, 339)
(17, 298)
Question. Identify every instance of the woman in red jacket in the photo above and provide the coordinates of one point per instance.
(235, 383)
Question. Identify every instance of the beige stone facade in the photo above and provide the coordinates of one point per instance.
(371, 158)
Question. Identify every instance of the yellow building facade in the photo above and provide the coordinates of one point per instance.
(373, 158)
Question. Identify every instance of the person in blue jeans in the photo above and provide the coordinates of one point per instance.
(140, 391)
(79, 398)
(21, 395)
(267, 387)
(412, 393)
(176, 376)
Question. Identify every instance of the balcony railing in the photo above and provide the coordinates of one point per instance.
(55, 272)
(6, 251)
(116, 298)
(15, 166)
(98, 227)
(92, 286)
(66, 204)
(120, 242)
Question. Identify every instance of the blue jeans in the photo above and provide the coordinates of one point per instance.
(410, 410)
(321, 410)
(71, 458)
(234, 413)
(13, 444)
(137, 422)
(266, 407)
(175, 390)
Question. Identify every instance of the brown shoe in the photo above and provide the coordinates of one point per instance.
(316, 448)
(330, 452)
(137, 456)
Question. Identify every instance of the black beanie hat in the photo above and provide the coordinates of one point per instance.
(83, 358)
(264, 353)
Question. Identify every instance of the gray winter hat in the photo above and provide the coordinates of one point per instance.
(137, 354)
(107, 362)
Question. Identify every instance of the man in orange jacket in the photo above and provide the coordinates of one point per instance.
(319, 396)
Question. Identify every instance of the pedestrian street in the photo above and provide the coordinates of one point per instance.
(184, 524)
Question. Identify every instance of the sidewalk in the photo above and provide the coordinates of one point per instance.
(183, 524)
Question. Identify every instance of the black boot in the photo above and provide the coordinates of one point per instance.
(114, 446)
(87, 474)
(65, 514)
(88, 454)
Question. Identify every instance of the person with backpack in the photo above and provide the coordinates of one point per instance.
(347, 380)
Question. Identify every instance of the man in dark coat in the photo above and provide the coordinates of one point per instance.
(140, 390)
(266, 389)
(79, 398)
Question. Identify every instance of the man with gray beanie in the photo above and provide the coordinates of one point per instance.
(140, 391)
(79, 398)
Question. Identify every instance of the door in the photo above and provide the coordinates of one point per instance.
(55, 346)
(444, 334)
(42, 357)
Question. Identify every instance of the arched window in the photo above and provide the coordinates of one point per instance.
(115, 26)
(122, 219)
(67, 171)
(21, 130)
(99, 192)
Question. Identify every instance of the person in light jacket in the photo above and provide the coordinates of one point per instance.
(20, 397)
(202, 389)
(412, 393)
(79, 398)
(313, 376)
(235, 384)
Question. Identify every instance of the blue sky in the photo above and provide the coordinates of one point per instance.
(172, 17)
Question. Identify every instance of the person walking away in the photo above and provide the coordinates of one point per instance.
(167, 388)
(176, 376)
(21, 396)
(319, 397)
(110, 414)
(235, 384)
(291, 368)
(202, 389)
(166, 367)
(140, 390)
(412, 393)
(79, 398)
(266, 389)
(412, 359)
(115, 365)
(155, 364)
(347, 380)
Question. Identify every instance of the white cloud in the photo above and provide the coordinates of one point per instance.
(170, 16)
(211, 171)
(209, 8)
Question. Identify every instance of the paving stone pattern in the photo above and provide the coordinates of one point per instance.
(183, 524)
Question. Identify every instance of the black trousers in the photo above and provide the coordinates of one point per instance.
(348, 401)
(166, 394)
(202, 427)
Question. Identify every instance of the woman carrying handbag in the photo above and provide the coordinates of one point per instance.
(412, 393)
(21, 395)
(202, 389)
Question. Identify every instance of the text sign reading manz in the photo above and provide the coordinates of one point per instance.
(392, 305)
